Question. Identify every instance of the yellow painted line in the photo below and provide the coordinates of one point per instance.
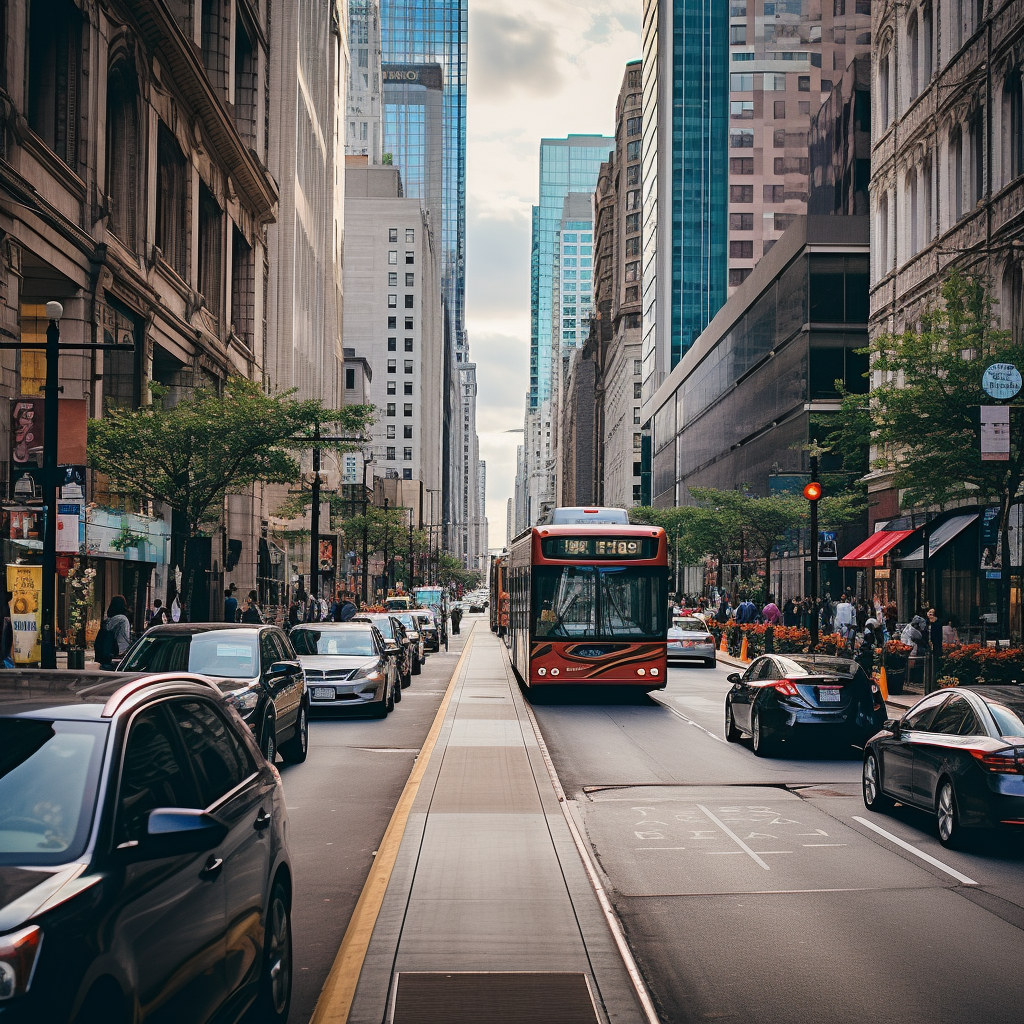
(339, 989)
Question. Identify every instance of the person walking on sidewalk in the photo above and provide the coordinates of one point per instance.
(770, 613)
(117, 634)
(251, 612)
(230, 607)
(456, 618)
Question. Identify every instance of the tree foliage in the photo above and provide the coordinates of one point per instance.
(189, 455)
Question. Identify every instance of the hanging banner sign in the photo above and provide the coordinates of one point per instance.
(26, 585)
(69, 514)
(990, 538)
(995, 433)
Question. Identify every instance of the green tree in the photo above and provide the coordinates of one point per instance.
(451, 573)
(188, 456)
(922, 416)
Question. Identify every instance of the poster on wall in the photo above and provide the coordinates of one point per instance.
(26, 585)
(828, 550)
(69, 515)
(327, 556)
(991, 542)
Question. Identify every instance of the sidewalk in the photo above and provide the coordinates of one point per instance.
(488, 914)
(898, 703)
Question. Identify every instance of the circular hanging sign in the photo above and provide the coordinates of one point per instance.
(1001, 381)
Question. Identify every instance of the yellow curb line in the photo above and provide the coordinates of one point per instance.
(339, 989)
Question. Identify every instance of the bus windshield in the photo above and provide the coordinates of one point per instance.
(599, 602)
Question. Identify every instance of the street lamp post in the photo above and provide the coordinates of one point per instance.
(48, 641)
(367, 462)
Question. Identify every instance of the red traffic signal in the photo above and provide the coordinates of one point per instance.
(812, 492)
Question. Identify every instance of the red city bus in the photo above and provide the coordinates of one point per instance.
(589, 604)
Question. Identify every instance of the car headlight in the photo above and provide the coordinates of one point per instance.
(244, 701)
(18, 953)
(369, 671)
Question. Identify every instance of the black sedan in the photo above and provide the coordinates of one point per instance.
(255, 667)
(144, 869)
(428, 629)
(958, 754)
(782, 696)
(399, 643)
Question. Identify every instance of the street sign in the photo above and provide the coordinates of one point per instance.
(995, 433)
(1001, 381)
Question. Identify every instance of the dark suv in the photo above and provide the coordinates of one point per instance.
(255, 667)
(144, 870)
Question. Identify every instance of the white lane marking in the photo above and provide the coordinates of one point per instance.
(916, 852)
(659, 847)
(824, 844)
(729, 832)
(690, 721)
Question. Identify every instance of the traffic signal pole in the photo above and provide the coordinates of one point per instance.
(812, 497)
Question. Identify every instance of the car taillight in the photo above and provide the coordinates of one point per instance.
(18, 952)
(786, 687)
(1009, 761)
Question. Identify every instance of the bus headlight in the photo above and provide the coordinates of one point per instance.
(641, 671)
(554, 671)
(542, 671)
(654, 671)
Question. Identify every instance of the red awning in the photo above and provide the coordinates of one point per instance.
(869, 554)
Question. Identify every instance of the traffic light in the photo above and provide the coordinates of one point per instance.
(812, 492)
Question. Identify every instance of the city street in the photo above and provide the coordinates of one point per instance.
(339, 804)
(756, 889)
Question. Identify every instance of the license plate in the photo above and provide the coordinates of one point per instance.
(323, 693)
(830, 695)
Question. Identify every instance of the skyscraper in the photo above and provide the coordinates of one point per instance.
(365, 130)
(566, 165)
(435, 32)
(685, 124)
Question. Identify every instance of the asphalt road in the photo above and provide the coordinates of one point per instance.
(339, 804)
(755, 889)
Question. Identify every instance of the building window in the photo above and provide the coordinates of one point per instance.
(406, 474)
(913, 55)
(391, 455)
(1013, 108)
(410, 281)
(633, 246)
(633, 271)
(408, 344)
(393, 257)
(741, 193)
(781, 221)
(741, 110)
(392, 366)
(410, 235)
(774, 193)
(410, 258)
(741, 222)
(407, 454)
(408, 409)
(636, 415)
(637, 389)
(632, 295)
(780, 110)
(632, 200)
(215, 31)
(54, 75)
(407, 431)
(350, 379)
(407, 389)
(245, 85)
(803, 83)
(883, 90)
(633, 174)
(243, 288)
(738, 35)
(632, 222)
(391, 389)
(638, 367)
(408, 323)
(741, 138)
(391, 409)
(737, 275)
(393, 237)
(392, 302)
(741, 250)
(927, 43)
(393, 279)
(884, 260)
(392, 344)
(779, 139)
(391, 431)
(211, 259)
(741, 83)
(408, 365)
(638, 441)
(123, 152)
(633, 126)
(977, 169)
(913, 226)
(633, 150)
(409, 301)
(741, 165)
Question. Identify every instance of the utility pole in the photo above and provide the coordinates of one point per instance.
(48, 641)
(812, 492)
(387, 572)
(314, 520)
(412, 512)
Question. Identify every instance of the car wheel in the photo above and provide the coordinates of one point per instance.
(417, 667)
(269, 742)
(874, 798)
(295, 750)
(406, 680)
(398, 695)
(950, 832)
(732, 733)
(275, 993)
(762, 745)
(389, 701)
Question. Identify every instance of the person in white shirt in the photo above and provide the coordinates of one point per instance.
(846, 616)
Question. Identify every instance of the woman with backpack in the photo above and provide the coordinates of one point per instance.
(115, 634)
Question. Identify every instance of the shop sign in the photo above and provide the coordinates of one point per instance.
(1001, 381)
(828, 551)
(69, 514)
(26, 585)
(995, 433)
(882, 574)
(328, 547)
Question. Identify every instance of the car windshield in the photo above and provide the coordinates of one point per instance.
(609, 603)
(690, 625)
(408, 621)
(222, 653)
(384, 625)
(1009, 722)
(347, 642)
(48, 782)
(817, 665)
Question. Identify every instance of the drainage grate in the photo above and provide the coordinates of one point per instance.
(494, 998)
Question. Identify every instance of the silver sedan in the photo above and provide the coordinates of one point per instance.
(689, 639)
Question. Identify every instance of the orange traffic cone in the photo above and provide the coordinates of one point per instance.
(743, 650)
(883, 683)
(723, 646)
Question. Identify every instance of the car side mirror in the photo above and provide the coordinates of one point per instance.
(391, 646)
(892, 725)
(281, 668)
(172, 831)
(733, 677)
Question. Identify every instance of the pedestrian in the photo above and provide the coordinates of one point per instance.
(115, 634)
(846, 616)
(915, 636)
(344, 611)
(934, 640)
(722, 615)
(294, 612)
(863, 613)
(889, 616)
(176, 609)
(230, 606)
(251, 612)
(871, 638)
(7, 631)
(950, 637)
(770, 613)
(160, 614)
(789, 613)
(828, 612)
(456, 618)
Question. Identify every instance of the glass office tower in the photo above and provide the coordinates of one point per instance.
(435, 32)
(685, 179)
(566, 165)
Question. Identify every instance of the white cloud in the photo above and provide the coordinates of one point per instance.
(546, 68)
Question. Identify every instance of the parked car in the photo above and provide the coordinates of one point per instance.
(690, 639)
(394, 633)
(419, 650)
(255, 668)
(428, 629)
(782, 696)
(476, 602)
(143, 854)
(347, 667)
(958, 754)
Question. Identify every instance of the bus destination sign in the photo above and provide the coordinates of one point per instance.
(598, 547)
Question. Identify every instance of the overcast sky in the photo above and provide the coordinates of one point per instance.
(543, 68)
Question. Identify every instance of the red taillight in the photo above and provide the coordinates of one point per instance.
(18, 952)
(786, 687)
(1009, 761)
